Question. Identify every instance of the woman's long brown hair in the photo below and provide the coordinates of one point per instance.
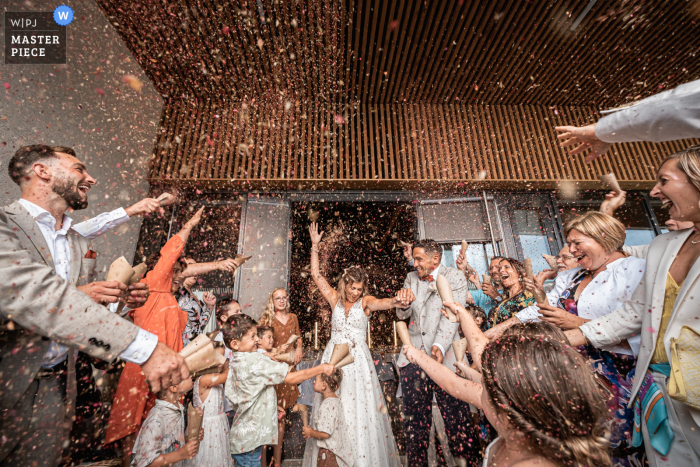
(548, 393)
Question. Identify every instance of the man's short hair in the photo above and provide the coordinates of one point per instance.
(430, 246)
(26, 156)
(237, 327)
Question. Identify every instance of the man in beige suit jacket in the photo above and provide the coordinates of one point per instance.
(42, 313)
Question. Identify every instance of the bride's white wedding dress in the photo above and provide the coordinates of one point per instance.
(360, 394)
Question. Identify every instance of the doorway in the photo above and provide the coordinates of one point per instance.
(357, 233)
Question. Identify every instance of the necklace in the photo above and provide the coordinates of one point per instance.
(694, 232)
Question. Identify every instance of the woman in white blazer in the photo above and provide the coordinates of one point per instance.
(667, 298)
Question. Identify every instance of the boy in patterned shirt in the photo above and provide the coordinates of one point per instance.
(250, 389)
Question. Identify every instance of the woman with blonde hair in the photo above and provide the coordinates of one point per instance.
(605, 278)
(663, 309)
(284, 325)
(369, 428)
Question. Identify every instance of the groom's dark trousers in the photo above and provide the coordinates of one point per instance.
(462, 434)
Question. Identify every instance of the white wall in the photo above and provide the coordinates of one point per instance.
(113, 134)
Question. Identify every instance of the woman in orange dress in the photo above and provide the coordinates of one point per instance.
(162, 316)
(285, 325)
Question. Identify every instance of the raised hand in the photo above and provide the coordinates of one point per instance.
(209, 300)
(327, 368)
(489, 290)
(404, 297)
(145, 206)
(227, 264)
(194, 220)
(461, 261)
(315, 236)
(613, 200)
(408, 251)
(585, 138)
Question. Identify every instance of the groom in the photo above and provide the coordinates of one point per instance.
(432, 332)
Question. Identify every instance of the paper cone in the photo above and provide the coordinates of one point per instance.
(445, 292)
(465, 245)
(551, 261)
(304, 410)
(293, 338)
(528, 268)
(339, 352)
(344, 362)
(611, 181)
(204, 358)
(460, 348)
(285, 357)
(240, 259)
(165, 199)
(540, 297)
(194, 422)
(486, 278)
(139, 272)
(402, 331)
(120, 270)
(195, 345)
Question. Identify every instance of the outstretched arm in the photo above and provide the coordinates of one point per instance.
(328, 292)
(403, 298)
(463, 389)
(196, 269)
(184, 233)
(476, 340)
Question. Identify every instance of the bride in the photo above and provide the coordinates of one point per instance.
(360, 393)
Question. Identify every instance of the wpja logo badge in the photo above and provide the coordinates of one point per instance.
(36, 37)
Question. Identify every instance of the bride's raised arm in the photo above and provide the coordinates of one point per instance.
(328, 292)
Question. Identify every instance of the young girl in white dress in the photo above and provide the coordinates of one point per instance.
(369, 429)
(215, 449)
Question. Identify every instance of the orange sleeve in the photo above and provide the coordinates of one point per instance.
(161, 276)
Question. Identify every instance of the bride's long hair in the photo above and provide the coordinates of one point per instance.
(350, 276)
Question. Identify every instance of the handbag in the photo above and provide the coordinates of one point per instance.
(684, 382)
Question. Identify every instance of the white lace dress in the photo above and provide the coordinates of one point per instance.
(369, 428)
(214, 450)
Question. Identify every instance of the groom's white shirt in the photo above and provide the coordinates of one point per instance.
(428, 327)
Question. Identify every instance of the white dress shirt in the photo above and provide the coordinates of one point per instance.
(93, 228)
(435, 274)
(603, 295)
(142, 346)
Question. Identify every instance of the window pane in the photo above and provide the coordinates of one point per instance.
(661, 213)
(531, 233)
(631, 214)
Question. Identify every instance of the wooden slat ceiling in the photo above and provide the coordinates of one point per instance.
(393, 52)
(386, 146)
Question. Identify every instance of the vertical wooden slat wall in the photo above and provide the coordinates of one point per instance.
(366, 143)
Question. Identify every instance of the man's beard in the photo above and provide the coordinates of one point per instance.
(70, 193)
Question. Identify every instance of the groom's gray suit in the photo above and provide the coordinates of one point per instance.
(428, 327)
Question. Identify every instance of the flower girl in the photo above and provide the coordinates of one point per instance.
(214, 450)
